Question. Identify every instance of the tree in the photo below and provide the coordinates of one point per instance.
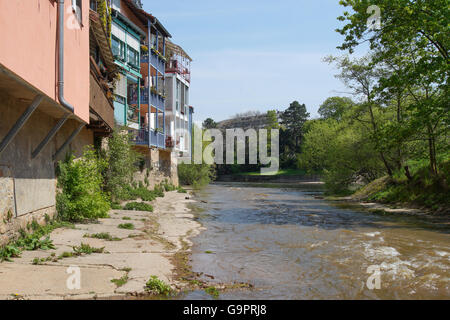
(361, 76)
(272, 119)
(209, 124)
(293, 119)
(122, 160)
(334, 107)
(413, 35)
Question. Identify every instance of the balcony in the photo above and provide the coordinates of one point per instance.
(140, 137)
(176, 66)
(157, 101)
(157, 139)
(155, 60)
(144, 96)
(144, 57)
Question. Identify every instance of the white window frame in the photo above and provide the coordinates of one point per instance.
(78, 11)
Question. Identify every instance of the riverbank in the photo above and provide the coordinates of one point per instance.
(123, 252)
(419, 197)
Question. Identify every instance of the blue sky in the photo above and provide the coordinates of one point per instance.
(255, 55)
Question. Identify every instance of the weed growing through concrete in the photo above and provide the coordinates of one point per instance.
(86, 249)
(128, 226)
(32, 241)
(213, 292)
(121, 281)
(103, 235)
(158, 287)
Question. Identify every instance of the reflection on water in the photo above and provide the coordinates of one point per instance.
(291, 245)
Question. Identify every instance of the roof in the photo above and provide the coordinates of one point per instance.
(128, 22)
(102, 40)
(177, 49)
(144, 16)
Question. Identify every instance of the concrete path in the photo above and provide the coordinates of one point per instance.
(140, 253)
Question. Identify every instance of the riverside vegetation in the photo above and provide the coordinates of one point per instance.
(88, 187)
(389, 141)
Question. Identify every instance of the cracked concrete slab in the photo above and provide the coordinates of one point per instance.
(139, 254)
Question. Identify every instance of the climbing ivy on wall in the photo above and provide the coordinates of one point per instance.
(104, 11)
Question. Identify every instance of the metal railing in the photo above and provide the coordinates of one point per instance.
(140, 137)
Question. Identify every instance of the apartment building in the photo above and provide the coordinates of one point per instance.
(70, 71)
(44, 103)
(178, 111)
(138, 41)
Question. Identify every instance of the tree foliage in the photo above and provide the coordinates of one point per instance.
(334, 107)
(122, 162)
(209, 124)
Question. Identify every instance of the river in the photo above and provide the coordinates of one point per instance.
(289, 243)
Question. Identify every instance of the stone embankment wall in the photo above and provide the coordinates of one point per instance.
(160, 165)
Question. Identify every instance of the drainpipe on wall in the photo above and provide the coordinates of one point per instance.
(61, 98)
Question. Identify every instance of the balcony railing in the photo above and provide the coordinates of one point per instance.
(157, 101)
(144, 95)
(155, 60)
(140, 137)
(144, 57)
(157, 139)
(175, 66)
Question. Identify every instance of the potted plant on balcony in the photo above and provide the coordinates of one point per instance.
(169, 142)
(144, 49)
(159, 130)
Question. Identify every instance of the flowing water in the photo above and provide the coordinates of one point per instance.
(291, 244)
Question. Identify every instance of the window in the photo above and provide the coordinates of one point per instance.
(93, 5)
(118, 48)
(77, 7)
(133, 57)
(178, 95)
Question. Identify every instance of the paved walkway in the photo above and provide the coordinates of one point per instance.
(140, 253)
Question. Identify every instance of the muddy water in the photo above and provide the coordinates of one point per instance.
(290, 244)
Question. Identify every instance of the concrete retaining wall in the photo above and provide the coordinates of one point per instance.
(28, 186)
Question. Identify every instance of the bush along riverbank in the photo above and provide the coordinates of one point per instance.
(422, 190)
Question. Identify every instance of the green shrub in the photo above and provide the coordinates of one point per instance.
(181, 190)
(80, 181)
(168, 186)
(116, 206)
(143, 193)
(197, 175)
(138, 206)
(158, 191)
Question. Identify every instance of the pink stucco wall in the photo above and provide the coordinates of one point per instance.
(28, 47)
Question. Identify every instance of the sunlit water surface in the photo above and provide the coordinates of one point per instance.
(291, 244)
